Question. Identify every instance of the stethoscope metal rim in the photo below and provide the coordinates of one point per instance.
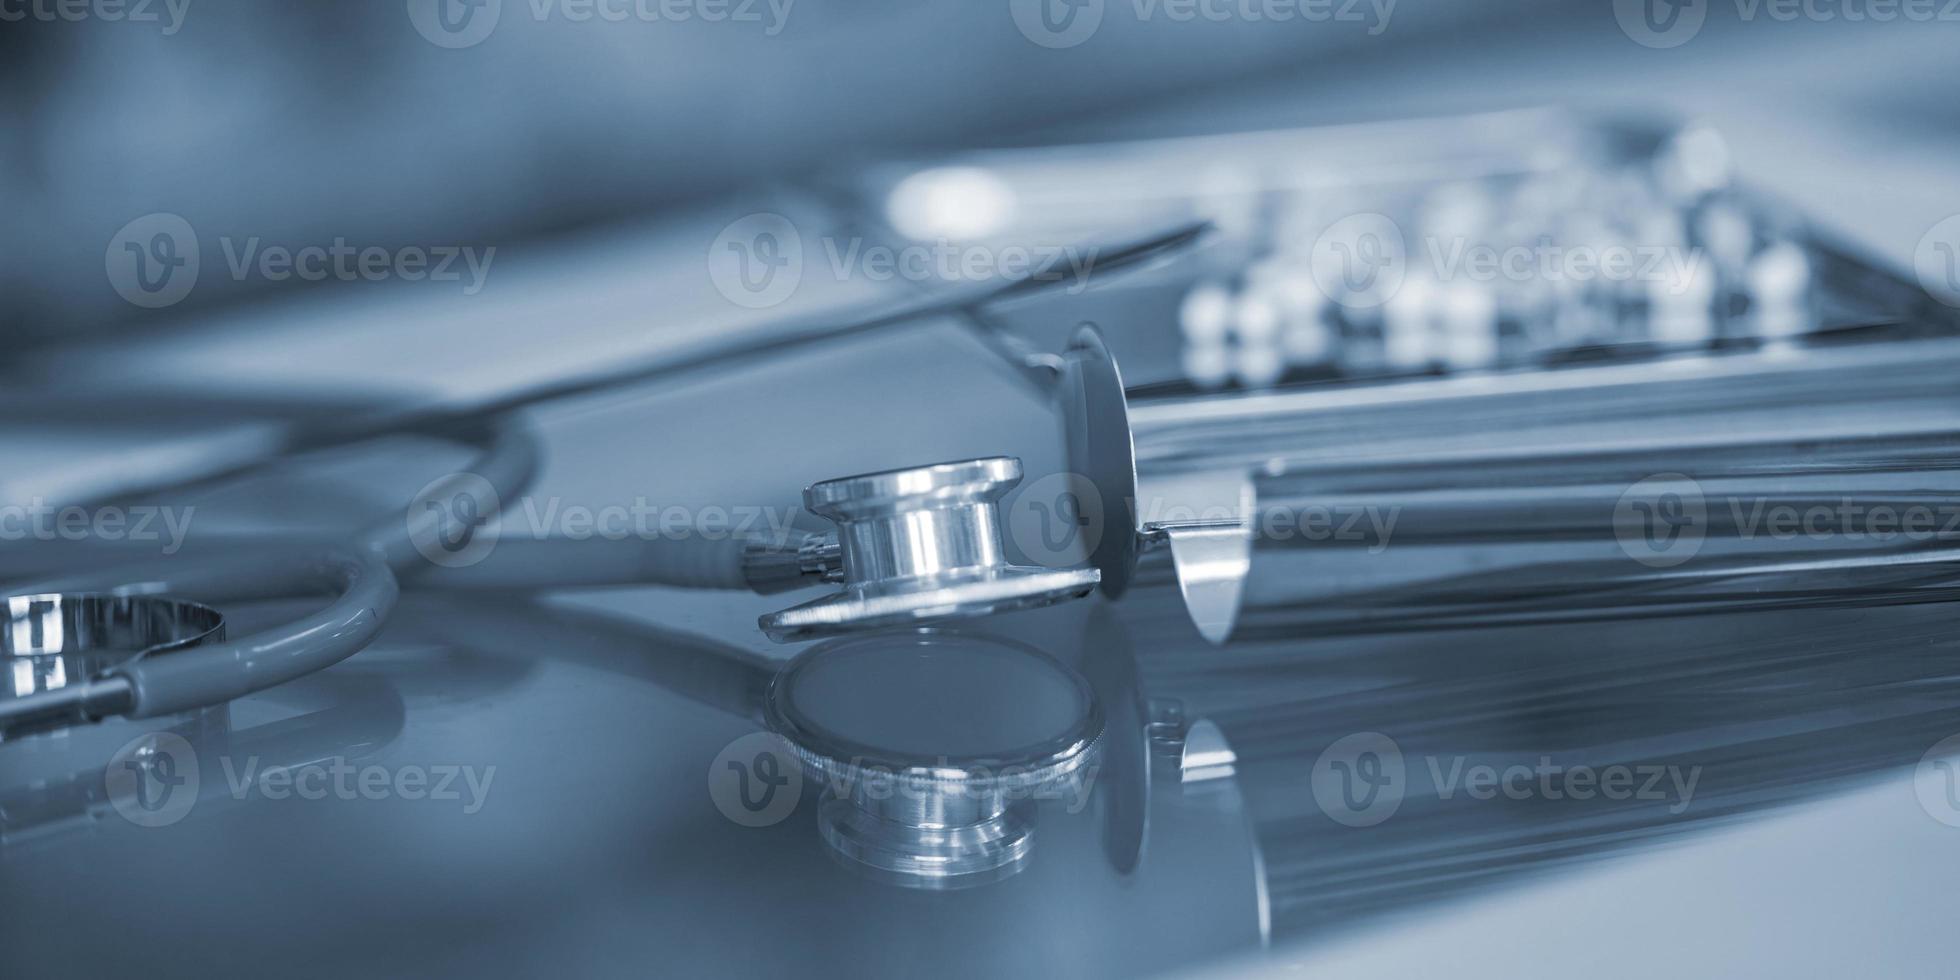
(1015, 768)
(92, 623)
(102, 635)
(932, 822)
(918, 545)
(1100, 450)
(872, 607)
(1211, 556)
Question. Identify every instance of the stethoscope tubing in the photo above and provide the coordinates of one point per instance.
(363, 575)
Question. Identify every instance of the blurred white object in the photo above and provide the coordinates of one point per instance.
(1408, 333)
(1779, 291)
(1206, 314)
(951, 203)
(1207, 365)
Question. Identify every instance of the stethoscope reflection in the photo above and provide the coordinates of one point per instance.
(932, 746)
(1306, 743)
(59, 784)
(1085, 871)
(60, 788)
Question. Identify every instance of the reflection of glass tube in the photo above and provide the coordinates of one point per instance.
(1736, 715)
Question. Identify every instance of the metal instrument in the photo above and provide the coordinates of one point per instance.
(932, 747)
(922, 544)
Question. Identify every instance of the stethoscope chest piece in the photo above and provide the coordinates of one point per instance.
(57, 649)
(919, 545)
(933, 748)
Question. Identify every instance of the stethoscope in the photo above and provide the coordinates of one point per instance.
(939, 791)
(911, 546)
(929, 807)
(911, 549)
(923, 545)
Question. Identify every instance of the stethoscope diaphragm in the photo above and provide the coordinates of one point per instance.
(933, 748)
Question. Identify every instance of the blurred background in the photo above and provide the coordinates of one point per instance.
(303, 122)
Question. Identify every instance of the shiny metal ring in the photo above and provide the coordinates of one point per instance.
(933, 746)
(920, 545)
(105, 625)
(56, 642)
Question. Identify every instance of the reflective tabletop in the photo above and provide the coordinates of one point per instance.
(520, 784)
